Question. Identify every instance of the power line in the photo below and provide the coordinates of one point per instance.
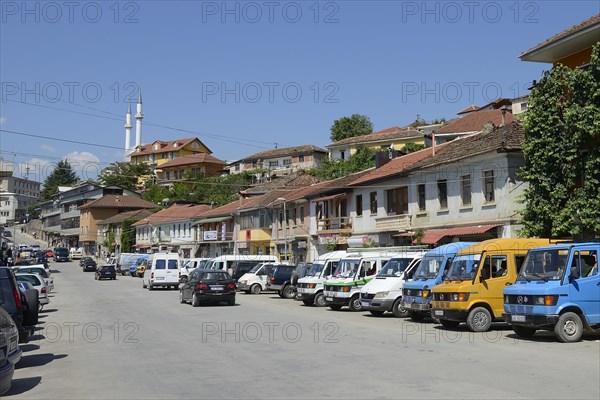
(60, 140)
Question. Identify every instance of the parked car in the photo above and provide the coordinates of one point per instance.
(11, 301)
(7, 234)
(31, 303)
(49, 253)
(11, 332)
(89, 265)
(7, 368)
(280, 280)
(227, 262)
(61, 254)
(191, 264)
(41, 271)
(106, 272)
(556, 290)
(207, 286)
(38, 283)
(164, 271)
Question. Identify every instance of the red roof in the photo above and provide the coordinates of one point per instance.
(165, 146)
(469, 109)
(199, 158)
(119, 201)
(474, 122)
(433, 236)
(177, 212)
(393, 132)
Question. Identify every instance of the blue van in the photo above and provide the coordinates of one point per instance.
(137, 263)
(557, 289)
(416, 294)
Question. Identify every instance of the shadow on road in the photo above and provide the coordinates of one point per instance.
(29, 347)
(36, 360)
(49, 310)
(22, 385)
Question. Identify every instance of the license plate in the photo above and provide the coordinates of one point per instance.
(364, 304)
(517, 318)
(213, 287)
(160, 278)
(328, 298)
(439, 312)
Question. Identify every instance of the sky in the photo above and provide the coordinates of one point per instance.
(245, 76)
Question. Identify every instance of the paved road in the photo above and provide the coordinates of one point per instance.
(114, 340)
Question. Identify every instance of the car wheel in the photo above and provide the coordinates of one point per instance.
(376, 313)
(181, 300)
(307, 302)
(231, 302)
(289, 292)
(255, 289)
(398, 311)
(523, 331)
(195, 300)
(150, 287)
(415, 316)
(320, 300)
(479, 319)
(335, 307)
(280, 293)
(449, 324)
(355, 304)
(569, 328)
(144, 285)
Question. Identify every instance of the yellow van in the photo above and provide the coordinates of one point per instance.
(472, 287)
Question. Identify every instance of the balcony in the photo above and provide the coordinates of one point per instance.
(214, 237)
(392, 223)
(334, 225)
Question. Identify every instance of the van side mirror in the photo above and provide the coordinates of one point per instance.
(484, 275)
(574, 273)
(183, 279)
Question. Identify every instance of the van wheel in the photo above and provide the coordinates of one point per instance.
(320, 300)
(479, 319)
(449, 324)
(181, 300)
(195, 301)
(415, 316)
(150, 287)
(335, 307)
(144, 285)
(523, 331)
(398, 311)
(569, 328)
(255, 289)
(289, 292)
(355, 304)
(376, 313)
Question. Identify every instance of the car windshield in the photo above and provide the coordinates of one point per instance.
(463, 267)
(256, 268)
(28, 278)
(346, 268)
(429, 267)
(315, 269)
(548, 265)
(395, 267)
(213, 276)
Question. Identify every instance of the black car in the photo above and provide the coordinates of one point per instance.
(31, 303)
(89, 265)
(83, 260)
(11, 300)
(106, 272)
(280, 280)
(7, 368)
(61, 254)
(207, 286)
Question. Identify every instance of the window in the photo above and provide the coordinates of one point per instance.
(494, 267)
(397, 200)
(488, 186)
(300, 158)
(342, 155)
(273, 164)
(524, 106)
(443, 193)
(287, 162)
(302, 215)
(359, 204)
(465, 190)
(421, 197)
(373, 202)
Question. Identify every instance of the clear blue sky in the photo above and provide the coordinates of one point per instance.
(390, 60)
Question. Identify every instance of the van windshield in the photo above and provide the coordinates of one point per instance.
(395, 267)
(548, 265)
(463, 267)
(346, 268)
(256, 268)
(315, 269)
(429, 267)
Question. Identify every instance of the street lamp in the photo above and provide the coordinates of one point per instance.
(285, 243)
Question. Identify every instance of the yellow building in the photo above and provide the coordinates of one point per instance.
(160, 151)
(571, 47)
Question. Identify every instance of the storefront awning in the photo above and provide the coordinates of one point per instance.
(209, 220)
(433, 236)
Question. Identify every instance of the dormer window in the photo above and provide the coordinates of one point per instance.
(156, 146)
(175, 144)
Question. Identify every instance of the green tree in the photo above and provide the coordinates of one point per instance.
(127, 236)
(354, 125)
(562, 153)
(124, 174)
(363, 159)
(412, 147)
(61, 175)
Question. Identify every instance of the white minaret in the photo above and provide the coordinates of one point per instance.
(138, 121)
(128, 129)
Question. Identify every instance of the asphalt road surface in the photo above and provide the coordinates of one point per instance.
(115, 340)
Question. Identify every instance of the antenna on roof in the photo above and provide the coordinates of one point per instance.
(276, 144)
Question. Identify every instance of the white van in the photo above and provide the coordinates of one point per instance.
(351, 274)
(164, 271)
(230, 263)
(384, 292)
(192, 263)
(310, 288)
(255, 280)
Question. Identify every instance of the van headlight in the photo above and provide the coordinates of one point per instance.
(381, 295)
(312, 285)
(545, 300)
